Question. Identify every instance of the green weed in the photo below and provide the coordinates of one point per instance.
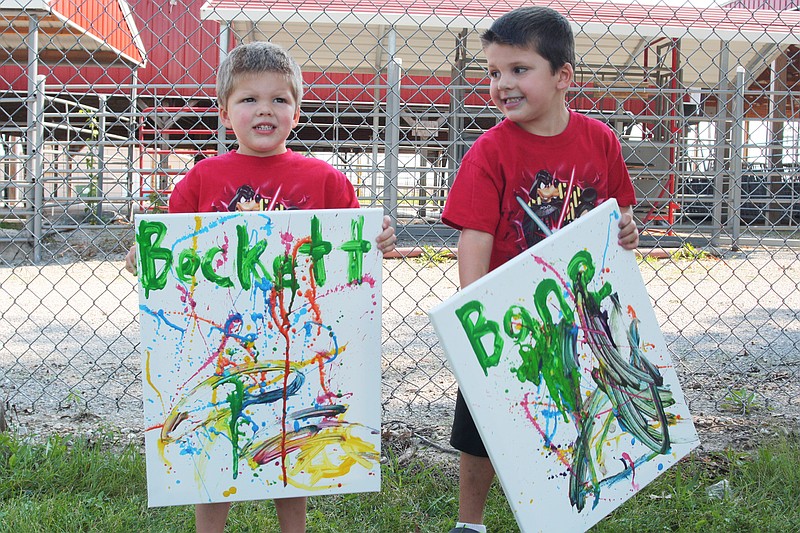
(740, 400)
(688, 251)
(431, 256)
(649, 259)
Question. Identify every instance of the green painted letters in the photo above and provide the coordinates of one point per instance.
(150, 252)
(478, 328)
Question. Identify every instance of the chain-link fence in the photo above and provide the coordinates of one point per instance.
(106, 104)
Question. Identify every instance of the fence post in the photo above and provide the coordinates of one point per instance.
(737, 140)
(132, 128)
(719, 146)
(224, 44)
(101, 159)
(392, 125)
(34, 191)
(36, 147)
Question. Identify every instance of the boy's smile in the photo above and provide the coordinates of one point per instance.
(525, 89)
(262, 111)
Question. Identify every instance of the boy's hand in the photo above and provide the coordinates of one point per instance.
(628, 232)
(387, 239)
(130, 260)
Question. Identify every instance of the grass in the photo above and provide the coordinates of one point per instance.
(431, 256)
(68, 484)
(650, 260)
(688, 251)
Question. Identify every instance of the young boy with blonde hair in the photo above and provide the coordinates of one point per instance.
(543, 159)
(259, 90)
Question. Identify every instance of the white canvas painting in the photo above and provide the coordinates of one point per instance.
(260, 354)
(566, 372)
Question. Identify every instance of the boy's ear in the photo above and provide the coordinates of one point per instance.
(225, 118)
(296, 119)
(565, 76)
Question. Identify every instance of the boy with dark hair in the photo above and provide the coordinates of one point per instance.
(259, 89)
(543, 160)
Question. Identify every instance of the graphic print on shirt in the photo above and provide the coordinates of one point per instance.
(556, 202)
(248, 199)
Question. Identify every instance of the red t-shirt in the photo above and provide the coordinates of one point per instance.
(507, 162)
(236, 182)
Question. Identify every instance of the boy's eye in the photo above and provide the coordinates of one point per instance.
(248, 99)
(519, 70)
(494, 74)
(280, 100)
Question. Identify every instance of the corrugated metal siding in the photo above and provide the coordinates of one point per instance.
(103, 18)
(180, 48)
(182, 51)
(776, 5)
(360, 88)
(580, 12)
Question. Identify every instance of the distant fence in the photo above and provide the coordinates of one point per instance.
(91, 134)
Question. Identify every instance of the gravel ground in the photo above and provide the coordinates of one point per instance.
(69, 341)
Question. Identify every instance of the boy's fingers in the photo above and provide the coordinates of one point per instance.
(388, 243)
(629, 240)
(130, 261)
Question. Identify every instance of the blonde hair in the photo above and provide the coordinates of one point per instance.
(256, 58)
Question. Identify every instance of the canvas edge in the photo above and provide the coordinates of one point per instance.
(378, 213)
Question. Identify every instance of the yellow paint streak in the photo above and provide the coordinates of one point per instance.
(161, 442)
(319, 463)
(149, 379)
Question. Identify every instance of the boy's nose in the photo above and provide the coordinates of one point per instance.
(504, 82)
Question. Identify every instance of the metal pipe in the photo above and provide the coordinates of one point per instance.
(224, 46)
(34, 193)
(37, 165)
(101, 161)
(376, 118)
(392, 126)
(737, 140)
(132, 129)
(720, 121)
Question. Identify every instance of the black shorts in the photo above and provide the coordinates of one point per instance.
(465, 437)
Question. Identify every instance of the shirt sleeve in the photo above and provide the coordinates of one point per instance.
(474, 199)
(340, 193)
(184, 198)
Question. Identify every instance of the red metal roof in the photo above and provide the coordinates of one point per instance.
(623, 16)
(778, 5)
(109, 20)
(72, 30)
(182, 49)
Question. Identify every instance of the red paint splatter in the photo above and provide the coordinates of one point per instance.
(629, 462)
